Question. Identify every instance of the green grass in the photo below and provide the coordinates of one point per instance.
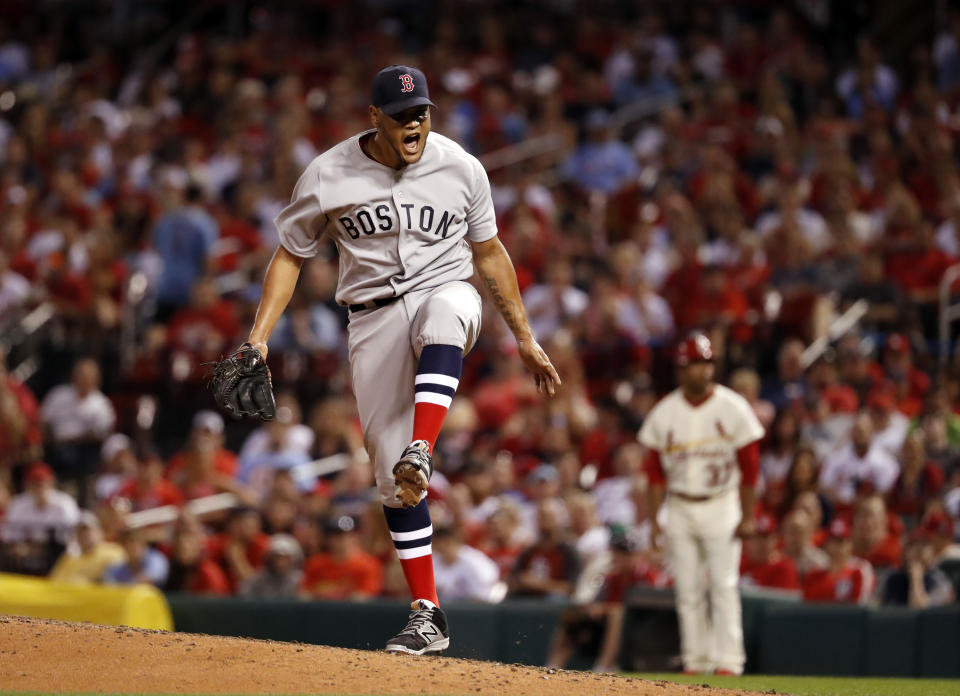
(821, 686)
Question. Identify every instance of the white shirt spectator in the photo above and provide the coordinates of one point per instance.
(70, 416)
(471, 576)
(547, 312)
(299, 439)
(614, 505)
(14, 291)
(648, 318)
(25, 521)
(810, 222)
(592, 543)
(946, 238)
(843, 469)
(891, 438)
(775, 467)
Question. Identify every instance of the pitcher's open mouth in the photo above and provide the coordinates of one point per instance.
(411, 143)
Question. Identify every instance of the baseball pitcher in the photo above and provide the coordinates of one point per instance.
(411, 215)
(702, 442)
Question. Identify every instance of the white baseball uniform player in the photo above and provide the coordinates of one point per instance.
(702, 449)
(411, 219)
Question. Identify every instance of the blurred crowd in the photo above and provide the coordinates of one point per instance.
(722, 166)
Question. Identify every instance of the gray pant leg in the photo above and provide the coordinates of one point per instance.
(383, 367)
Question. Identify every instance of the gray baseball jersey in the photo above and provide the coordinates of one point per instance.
(395, 230)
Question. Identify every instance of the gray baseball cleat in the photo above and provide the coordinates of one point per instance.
(426, 631)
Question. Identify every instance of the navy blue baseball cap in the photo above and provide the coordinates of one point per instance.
(399, 87)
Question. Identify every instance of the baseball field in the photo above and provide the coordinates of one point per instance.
(44, 657)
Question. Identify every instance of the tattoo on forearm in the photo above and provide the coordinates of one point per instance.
(508, 308)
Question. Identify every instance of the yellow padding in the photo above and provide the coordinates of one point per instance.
(141, 606)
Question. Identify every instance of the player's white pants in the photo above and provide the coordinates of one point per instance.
(384, 347)
(705, 557)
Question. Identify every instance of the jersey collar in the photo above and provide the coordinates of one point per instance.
(702, 400)
(367, 158)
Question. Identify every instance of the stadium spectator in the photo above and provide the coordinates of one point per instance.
(500, 537)
(191, 569)
(38, 523)
(241, 548)
(920, 481)
(940, 529)
(875, 534)
(144, 564)
(846, 579)
(183, 238)
(345, 570)
(147, 488)
(591, 537)
(283, 443)
(556, 302)
(117, 464)
(919, 583)
(777, 461)
(613, 494)
(77, 417)
(87, 557)
(207, 427)
(596, 628)
(462, 572)
(601, 163)
(549, 567)
(20, 434)
(798, 543)
(859, 462)
(281, 574)
(764, 565)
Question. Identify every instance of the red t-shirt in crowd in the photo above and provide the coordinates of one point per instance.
(852, 584)
(780, 573)
(327, 577)
(548, 561)
(256, 552)
(224, 462)
(208, 578)
(504, 556)
(161, 493)
(615, 585)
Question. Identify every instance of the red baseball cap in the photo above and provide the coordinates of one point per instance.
(695, 348)
(839, 529)
(38, 472)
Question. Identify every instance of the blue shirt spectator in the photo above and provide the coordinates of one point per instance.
(602, 163)
(183, 238)
(143, 565)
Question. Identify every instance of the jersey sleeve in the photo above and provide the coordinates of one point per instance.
(481, 219)
(748, 427)
(300, 225)
(649, 435)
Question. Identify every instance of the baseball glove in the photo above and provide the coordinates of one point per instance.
(242, 386)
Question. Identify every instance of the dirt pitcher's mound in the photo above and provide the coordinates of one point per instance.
(39, 655)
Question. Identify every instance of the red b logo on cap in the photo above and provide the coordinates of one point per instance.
(406, 82)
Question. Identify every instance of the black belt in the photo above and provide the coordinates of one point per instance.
(692, 498)
(372, 304)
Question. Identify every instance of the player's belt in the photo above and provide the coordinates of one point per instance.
(372, 304)
(691, 498)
